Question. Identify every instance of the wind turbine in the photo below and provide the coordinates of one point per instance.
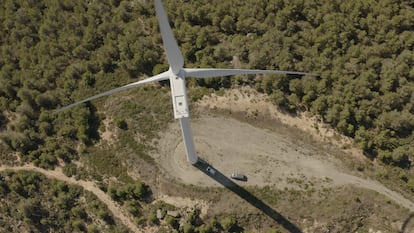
(176, 74)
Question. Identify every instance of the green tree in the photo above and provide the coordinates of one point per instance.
(227, 24)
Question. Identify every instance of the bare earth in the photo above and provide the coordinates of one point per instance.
(267, 157)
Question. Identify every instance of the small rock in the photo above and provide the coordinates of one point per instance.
(160, 214)
(173, 213)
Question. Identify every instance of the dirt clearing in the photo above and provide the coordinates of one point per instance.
(233, 146)
(267, 157)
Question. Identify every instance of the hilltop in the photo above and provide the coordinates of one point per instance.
(327, 153)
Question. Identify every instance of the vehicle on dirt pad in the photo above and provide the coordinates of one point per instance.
(239, 176)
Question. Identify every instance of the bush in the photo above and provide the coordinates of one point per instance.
(360, 167)
(410, 184)
(137, 190)
(206, 228)
(112, 192)
(92, 229)
(403, 176)
(171, 221)
(382, 173)
(152, 219)
(78, 225)
(400, 157)
(47, 161)
(140, 190)
(228, 223)
(4, 189)
(188, 228)
(133, 207)
(80, 212)
(121, 123)
(70, 170)
(104, 215)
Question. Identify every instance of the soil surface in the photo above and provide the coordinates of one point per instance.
(266, 157)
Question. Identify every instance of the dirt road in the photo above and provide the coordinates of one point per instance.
(116, 210)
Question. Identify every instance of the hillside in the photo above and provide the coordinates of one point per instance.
(54, 53)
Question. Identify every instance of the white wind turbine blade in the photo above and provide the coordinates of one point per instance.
(174, 56)
(211, 72)
(159, 77)
(188, 140)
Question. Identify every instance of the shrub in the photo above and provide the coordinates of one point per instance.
(410, 184)
(228, 223)
(206, 228)
(70, 170)
(78, 225)
(152, 219)
(121, 123)
(133, 207)
(382, 173)
(78, 211)
(92, 229)
(171, 221)
(360, 167)
(188, 228)
(403, 176)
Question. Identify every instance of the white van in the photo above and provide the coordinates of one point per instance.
(239, 176)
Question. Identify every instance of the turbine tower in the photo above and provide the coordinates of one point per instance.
(176, 74)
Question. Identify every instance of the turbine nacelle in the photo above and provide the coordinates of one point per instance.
(176, 74)
(179, 94)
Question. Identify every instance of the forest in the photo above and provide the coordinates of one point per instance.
(30, 202)
(56, 52)
(53, 52)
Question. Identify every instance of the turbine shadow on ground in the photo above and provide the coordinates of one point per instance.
(247, 196)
